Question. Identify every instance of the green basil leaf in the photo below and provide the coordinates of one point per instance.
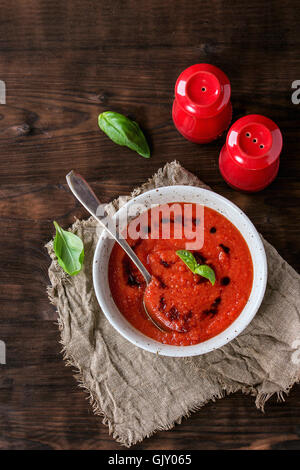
(201, 269)
(207, 272)
(69, 250)
(123, 131)
(188, 258)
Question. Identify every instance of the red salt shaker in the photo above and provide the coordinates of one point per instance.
(249, 160)
(202, 109)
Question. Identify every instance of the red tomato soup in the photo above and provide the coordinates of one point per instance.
(189, 307)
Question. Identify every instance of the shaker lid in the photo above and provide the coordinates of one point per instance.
(254, 141)
(202, 90)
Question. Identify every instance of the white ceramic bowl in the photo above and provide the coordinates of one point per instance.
(210, 199)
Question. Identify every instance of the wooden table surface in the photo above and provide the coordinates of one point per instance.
(65, 62)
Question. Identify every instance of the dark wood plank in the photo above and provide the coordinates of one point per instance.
(63, 64)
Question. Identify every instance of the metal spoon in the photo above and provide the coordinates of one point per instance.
(86, 196)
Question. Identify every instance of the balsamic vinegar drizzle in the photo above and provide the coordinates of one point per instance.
(224, 248)
(213, 310)
(225, 281)
(132, 281)
(165, 263)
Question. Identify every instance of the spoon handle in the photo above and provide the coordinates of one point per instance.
(86, 196)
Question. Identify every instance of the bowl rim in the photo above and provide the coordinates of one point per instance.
(236, 327)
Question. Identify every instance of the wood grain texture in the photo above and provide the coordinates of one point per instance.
(65, 62)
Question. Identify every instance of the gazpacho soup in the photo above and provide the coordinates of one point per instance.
(190, 307)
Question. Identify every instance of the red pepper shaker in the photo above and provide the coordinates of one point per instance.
(249, 160)
(202, 109)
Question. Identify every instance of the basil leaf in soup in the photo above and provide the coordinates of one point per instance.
(201, 269)
(207, 272)
(188, 258)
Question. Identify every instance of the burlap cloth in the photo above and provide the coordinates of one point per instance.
(138, 392)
